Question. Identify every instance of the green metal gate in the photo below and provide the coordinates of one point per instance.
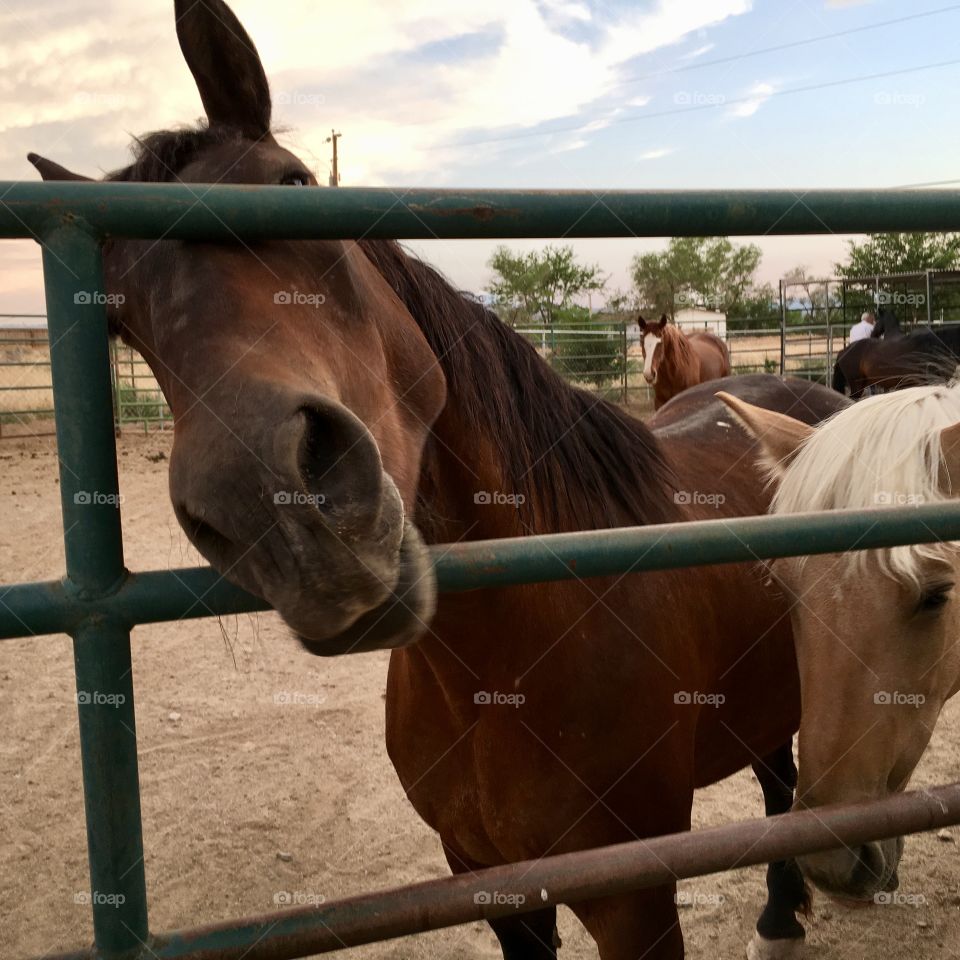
(98, 601)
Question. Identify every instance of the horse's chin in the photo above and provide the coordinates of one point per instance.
(396, 622)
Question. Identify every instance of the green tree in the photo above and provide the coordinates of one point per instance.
(535, 285)
(582, 350)
(883, 253)
(696, 271)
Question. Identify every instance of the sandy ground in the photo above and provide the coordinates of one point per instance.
(231, 778)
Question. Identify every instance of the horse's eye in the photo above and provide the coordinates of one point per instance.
(935, 597)
(295, 179)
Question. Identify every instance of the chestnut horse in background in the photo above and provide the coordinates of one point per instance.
(321, 441)
(674, 361)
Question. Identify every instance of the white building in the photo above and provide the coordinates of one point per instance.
(691, 319)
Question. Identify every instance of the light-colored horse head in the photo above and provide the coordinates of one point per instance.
(875, 631)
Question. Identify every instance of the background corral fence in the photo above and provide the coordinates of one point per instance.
(98, 602)
(26, 383)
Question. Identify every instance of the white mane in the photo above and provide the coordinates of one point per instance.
(882, 451)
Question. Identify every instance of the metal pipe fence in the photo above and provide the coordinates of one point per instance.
(26, 382)
(98, 602)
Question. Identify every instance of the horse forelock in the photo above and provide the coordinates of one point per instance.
(586, 463)
(882, 451)
(160, 156)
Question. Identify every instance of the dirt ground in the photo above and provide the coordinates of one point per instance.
(249, 801)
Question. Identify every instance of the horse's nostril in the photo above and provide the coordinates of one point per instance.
(338, 461)
(320, 450)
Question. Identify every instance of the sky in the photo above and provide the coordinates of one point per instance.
(657, 94)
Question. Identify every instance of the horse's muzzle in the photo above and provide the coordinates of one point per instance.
(860, 874)
(301, 512)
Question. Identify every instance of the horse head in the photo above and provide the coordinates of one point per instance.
(302, 389)
(876, 631)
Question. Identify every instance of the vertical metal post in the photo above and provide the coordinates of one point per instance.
(826, 303)
(623, 371)
(783, 330)
(80, 365)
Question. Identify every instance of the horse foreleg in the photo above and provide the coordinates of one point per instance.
(780, 935)
(528, 936)
(640, 924)
(525, 936)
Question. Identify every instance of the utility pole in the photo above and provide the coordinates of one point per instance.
(335, 170)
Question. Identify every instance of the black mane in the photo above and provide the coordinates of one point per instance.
(585, 462)
(159, 157)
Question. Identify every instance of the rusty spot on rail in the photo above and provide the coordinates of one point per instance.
(482, 212)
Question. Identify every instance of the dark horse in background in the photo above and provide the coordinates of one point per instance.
(523, 721)
(925, 356)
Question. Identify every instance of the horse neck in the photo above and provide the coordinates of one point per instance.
(679, 362)
(516, 449)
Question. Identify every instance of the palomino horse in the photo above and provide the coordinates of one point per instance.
(876, 631)
(322, 437)
(915, 359)
(675, 361)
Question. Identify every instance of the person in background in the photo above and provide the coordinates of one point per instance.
(863, 329)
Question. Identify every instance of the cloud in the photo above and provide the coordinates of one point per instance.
(699, 52)
(657, 153)
(76, 81)
(758, 94)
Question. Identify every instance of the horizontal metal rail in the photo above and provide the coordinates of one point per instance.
(567, 878)
(164, 595)
(204, 212)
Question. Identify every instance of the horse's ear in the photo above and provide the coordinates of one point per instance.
(663, 321)
(778, 435)
(642, 322)
(950, 460)
(225, 65)
(53, 171)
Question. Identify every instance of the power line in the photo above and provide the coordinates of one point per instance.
(713, 105)
(699, 64)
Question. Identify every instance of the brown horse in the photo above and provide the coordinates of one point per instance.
(675, 361)
(333, 400)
